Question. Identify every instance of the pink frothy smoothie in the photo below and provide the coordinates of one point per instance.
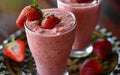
(87, 15)
(51, 47)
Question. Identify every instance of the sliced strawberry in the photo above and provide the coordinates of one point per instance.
(30, 13)
(91, 67)
(83, 1)
(50, 22)
(102, 48)
(15, 50)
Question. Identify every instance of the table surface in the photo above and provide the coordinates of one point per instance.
(9, 11)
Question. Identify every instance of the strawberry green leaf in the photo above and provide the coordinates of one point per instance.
(35, 5)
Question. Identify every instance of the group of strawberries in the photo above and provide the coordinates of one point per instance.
(102, 48)
(32, 13)
(48, 22)
(15, 50)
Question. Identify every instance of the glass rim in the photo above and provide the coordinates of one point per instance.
(94, 3)
(71, 28)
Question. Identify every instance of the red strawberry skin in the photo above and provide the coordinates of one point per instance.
(80, 1)
(15, 50)
(91, 67)
(83, 1)
(102, 48)
(29, 13)
(50, 22)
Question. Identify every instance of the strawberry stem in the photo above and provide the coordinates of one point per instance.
(48, 15)
(11, 42)
(35, 5)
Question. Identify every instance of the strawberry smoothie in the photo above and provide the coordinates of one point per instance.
(50, 48)
(87, 14)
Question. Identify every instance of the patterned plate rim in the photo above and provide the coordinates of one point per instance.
(103, 31)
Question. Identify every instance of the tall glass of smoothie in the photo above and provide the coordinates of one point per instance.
(51, 48)
(87, 14)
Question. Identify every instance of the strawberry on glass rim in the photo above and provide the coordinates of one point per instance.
(15, 50)
(31, 12)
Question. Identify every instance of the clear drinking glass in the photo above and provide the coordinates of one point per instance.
(87, 15)
(51, 48)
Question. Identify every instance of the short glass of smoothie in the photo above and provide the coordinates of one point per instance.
(51, 48)
(87, 15)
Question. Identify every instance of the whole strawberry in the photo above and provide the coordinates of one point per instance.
(91, 67)
(50, 21)
(102, 48)
(29, 12)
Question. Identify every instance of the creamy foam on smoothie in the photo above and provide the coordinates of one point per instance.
(66, 23)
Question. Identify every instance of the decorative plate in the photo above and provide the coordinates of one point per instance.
(112, 64)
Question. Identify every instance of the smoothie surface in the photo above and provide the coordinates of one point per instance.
(67, 22)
